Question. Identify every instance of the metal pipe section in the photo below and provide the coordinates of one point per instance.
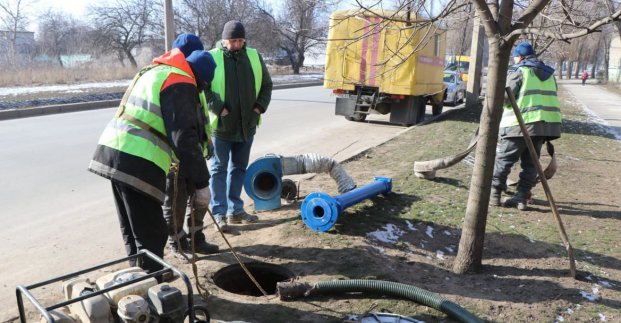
(263, 179)
(320, 211)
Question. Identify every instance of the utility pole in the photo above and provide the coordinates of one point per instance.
(473, 88)
(169, 25)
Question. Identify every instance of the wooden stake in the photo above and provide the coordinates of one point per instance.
(544, 183)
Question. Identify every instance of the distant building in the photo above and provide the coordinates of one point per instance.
(24, 42)
(614, 60)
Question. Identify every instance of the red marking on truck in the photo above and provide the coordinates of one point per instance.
(374, 50)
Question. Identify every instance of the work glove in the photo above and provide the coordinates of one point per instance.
(202, 197)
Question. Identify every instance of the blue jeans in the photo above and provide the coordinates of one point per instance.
(228, 168)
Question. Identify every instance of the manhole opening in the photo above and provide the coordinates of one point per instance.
(234, 279)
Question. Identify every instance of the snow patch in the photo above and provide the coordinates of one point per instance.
(429, 231)
(390, 233)
(410, 226)
(593, 296)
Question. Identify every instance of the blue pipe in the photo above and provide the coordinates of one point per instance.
(320, 211)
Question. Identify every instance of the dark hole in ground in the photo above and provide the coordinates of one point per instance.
(234, 279)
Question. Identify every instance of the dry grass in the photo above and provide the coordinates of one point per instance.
(58, 75)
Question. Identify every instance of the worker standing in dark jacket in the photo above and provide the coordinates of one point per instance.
(157, 122)
(535, 90)
(245, 87)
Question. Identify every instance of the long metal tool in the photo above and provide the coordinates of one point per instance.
(544, 182)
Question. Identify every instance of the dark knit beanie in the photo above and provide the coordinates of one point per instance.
(203, 66)
(187, 43)
(233, 29)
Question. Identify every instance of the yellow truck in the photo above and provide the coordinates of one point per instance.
(380, 65)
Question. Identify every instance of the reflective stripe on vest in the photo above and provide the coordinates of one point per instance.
(203, 100)
(218, 85)
(538, 101)
(146, 137)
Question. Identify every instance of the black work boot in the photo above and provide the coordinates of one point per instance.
(494, 197)
(201, 245)
(518, 201)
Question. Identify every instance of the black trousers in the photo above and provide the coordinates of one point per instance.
(142, 224)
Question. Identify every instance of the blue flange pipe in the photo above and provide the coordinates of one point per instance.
(320, 211)
(263, 182)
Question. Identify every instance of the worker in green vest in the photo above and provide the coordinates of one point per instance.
(535, 89)
(158, 121)
(245, 89)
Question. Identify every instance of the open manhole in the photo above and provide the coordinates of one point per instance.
(234, 279)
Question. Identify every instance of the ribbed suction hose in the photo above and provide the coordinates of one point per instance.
(315, 163)
(288, 291)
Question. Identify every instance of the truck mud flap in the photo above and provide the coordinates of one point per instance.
(408, 111)
(345, 107)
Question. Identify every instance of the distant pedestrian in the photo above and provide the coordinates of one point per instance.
(159, 120)
(245, 86)
(584, 76)
(535, 90)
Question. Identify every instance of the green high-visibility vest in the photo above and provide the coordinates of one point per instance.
(218, 85)
(537, 101)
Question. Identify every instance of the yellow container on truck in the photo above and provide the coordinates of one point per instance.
(379, 63)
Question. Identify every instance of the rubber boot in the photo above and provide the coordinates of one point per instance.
(518, 201)
(494, 197)
(201, 245)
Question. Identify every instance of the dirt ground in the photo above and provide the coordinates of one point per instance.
(411, 236)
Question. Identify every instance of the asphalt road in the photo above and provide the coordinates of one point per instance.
(57, 218)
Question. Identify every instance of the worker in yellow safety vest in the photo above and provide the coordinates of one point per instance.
(534, 86)
(159, 120)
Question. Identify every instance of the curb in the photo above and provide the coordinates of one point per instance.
(93, 105)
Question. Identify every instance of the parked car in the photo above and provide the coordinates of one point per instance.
(455, 88)
(459, 64)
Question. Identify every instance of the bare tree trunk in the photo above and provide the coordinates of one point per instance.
(570, 66)
(560, 68)
(131, 58)
(470, 254)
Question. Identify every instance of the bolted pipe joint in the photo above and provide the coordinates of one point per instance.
(320, 211)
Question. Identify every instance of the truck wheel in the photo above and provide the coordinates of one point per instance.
(358, 117)
(360, 114)
(436, 109)
(420, 109)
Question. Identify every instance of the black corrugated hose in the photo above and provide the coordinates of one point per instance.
(413, 293)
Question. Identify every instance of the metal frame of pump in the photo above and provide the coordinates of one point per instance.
(25, 290)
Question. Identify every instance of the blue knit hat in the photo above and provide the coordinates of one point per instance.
(188, 43)
(523, 49)
(203, 66)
